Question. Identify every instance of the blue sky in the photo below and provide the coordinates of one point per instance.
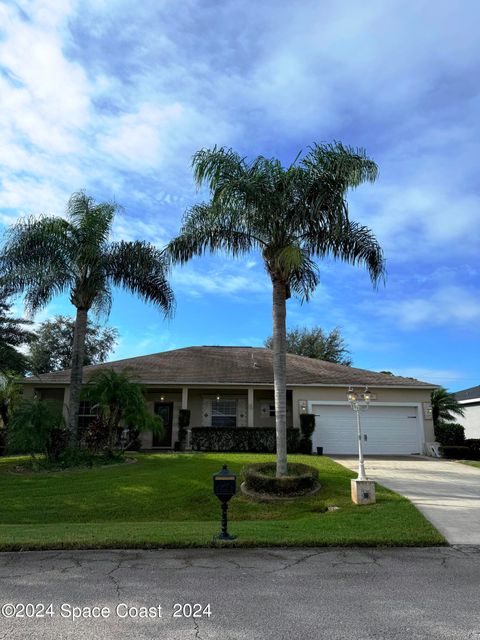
(115, 97)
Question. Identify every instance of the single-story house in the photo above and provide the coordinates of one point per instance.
(470, 401)
(233, 386)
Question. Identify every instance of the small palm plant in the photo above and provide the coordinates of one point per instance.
(44, 257)
(120, 403)
(292, 216)
(444, 406)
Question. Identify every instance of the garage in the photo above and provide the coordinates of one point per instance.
(386, 430)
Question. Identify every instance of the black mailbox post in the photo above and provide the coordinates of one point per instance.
(224, 487)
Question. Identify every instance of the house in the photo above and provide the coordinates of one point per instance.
(233, 386)
(470, 401)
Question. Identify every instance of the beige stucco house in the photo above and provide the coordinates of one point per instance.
(233, 386)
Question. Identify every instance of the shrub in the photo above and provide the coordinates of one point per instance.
(252, 439)
(474, 445)
(183, 424)
(455, 452)
(36, 426)
(450, 434)
(96, 435)
(261, 478)
(307, 427)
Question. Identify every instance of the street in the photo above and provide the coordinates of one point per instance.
(328, 593)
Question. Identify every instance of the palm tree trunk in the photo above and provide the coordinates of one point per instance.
(279, 372)
(78, 352)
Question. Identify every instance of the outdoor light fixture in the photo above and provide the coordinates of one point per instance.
(162, 398)
(218, 397)
(355, 400)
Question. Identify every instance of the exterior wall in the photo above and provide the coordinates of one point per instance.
(265, 396)
(471, 419)
(401, 396)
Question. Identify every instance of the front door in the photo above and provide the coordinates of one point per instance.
(165, 411)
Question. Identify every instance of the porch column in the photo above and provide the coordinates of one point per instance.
(184, 397)
(251, 408)
(188, 446)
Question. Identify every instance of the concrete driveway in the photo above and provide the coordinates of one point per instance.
(447, 493)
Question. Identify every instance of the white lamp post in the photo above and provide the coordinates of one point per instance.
(363, 491)
(354, 399)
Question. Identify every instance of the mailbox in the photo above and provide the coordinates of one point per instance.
(224, 487)
(224, 484)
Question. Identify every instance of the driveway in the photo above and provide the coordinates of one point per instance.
(257, 594)
(447, 493)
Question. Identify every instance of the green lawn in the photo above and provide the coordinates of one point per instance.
(165, 500)
(471, 463)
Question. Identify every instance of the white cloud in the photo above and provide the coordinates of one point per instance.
(226, 281)
(451, 305)
(443, 377)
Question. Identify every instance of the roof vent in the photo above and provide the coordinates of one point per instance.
(254, 364)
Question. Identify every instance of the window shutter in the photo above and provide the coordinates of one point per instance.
(206, 412)
(242, 413)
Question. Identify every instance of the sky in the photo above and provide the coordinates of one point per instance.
(114, 97)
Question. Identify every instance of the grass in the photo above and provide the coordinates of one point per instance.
(166, 500)
(471, 463)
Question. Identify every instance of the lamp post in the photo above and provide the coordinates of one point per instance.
(363, 491)
(354, 399)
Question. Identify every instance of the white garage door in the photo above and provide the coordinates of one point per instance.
(386, 430)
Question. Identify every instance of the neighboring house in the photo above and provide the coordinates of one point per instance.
(470, 401)
(233, 386)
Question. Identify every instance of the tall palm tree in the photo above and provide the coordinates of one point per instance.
(444, 405)
(292, 216)
(46, 256)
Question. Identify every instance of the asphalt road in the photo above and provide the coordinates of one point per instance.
(298, 594)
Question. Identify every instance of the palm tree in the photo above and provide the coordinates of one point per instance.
(120, 400)
(292, 216)
(444, 405)
(47, 256)
(10, 395)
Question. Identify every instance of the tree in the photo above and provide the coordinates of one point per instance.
(10, 394)
(120, 400)
(47, 256)
(444, 405)
(292, 216)
(315, 343)
(51, 349)
(13, 335)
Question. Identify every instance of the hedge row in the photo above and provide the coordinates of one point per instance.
(261, 478)
(468, 451)
(251, 439)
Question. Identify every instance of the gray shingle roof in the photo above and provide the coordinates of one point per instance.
(468, 394)
(234, 365)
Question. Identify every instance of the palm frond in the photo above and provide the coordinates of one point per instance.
(142, 269)
(36, 254)
(210, 228)
(351, 243)
(347, 165)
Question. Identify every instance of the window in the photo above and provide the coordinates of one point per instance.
(272, 410)
(86, 413)
(224, 413)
